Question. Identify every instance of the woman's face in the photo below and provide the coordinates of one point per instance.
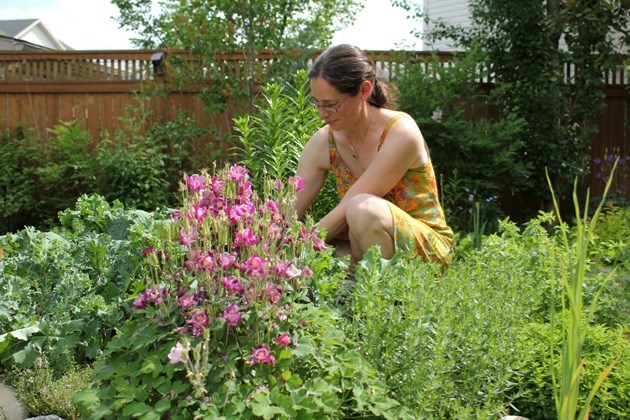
(333, 107)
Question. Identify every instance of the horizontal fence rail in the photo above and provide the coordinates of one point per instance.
(50, 67)
(40, 89)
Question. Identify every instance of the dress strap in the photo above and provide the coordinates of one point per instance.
(389, 125)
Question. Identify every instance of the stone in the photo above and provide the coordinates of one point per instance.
(10, 407)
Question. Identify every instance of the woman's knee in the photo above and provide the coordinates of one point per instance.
(366, 209)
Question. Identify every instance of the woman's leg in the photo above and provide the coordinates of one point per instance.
(370, 222)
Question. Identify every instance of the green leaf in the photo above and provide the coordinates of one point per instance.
(261, 406)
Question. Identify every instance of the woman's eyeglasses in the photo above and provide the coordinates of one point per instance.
(329, 108)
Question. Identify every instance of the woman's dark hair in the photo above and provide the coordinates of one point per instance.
(345, 67)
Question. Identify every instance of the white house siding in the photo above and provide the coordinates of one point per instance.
(452, 11)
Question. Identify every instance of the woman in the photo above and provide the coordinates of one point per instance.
(380, 161)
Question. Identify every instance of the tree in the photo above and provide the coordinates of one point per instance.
(527, 44)
(209, 28)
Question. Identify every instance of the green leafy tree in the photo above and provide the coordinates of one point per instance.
(527, 45)
(210, 29)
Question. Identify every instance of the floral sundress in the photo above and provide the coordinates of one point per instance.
(419, 223)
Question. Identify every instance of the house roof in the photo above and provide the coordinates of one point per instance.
(14, 28)
(22, 29)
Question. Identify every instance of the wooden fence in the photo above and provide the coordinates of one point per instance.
(40, 89)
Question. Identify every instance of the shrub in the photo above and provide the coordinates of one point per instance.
(533, 396)
(60, 291)
(228, 307)
(43, 391)
(474, 154)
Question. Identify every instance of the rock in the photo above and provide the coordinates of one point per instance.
(10, 408)
(45, 418)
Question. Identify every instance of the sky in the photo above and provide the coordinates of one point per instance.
(90, 24)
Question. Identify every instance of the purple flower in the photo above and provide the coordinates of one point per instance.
(611, 157)
(199, 320)
(148, 250)
(216, 185)
(188, 301)
(156, 295)
(597, 161)
(319, 244)
(287, 270)
(141, 301)
(199, 213)
(226, 260)
(261, 355)
(187, 238)
(205, 262)
(238, 174)
(254, 266)
(195, 182)
(231, 315)
(233, 284)
(237, 212)
(273, 292)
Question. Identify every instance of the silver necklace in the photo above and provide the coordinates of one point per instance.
(355, 154)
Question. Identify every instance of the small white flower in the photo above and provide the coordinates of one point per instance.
(178, 354)
(437, 115)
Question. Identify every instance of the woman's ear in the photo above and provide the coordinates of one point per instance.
(366, 89)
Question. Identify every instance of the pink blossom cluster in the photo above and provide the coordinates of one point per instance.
(236, 253)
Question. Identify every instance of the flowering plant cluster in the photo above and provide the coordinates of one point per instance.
(227, 322)
(602, 170)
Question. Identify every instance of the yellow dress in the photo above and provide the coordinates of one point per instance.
(419, 222)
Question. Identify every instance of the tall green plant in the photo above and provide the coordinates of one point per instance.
(566, 393)
(270, 141)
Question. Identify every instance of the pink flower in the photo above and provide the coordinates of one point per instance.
(261, 355)
(199, 213)
(141, 301)
(156, 295)
(237, 212)
(216, 185)
(178, 354)
(245, 238)
(187, 238)
(272, 205)
(199, 320)
(273, 292)
(226, 260)
(195, 182)
(233, 284)
(297, 181)
(205, 262)
(217, 205)
(283, 340)
(238, 174)
(319, 244)
(231, 315)
(254, 266)
(188, 301)
(287, 270)
(148, 250)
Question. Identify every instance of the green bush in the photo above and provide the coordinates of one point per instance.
(60, 292)
(533, 395)
(474, 154)
(42, 391)
(21, 157)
